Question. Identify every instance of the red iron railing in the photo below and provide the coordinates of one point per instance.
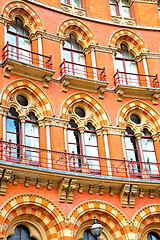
(25, 155)
(132, 79)
(84, 71)
(26, 56)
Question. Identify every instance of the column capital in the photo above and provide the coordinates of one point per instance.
(4, 110)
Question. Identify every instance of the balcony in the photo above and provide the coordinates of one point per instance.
(136, 85)
(21, 155)
(83, 77)
(27, 64)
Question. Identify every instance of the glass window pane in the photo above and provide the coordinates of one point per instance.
(147, 144)
(92, 151)
(31, 129)
(75, 45)
(126, 12)
(77, 3)
(113, 10)
(90, 139)
(12, 27)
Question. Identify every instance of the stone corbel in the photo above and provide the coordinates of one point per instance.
(119, 95)
(141, 193)
(15, 180)
(111, 191)
(151, 193)
(155, 97)
(132, 195)
(49, 185)
(65, 85)
(7, 70)
(91, 189)
(38, 183)
(71, 189)
(46, 80)
(80, 189)
(6, 176)
(101, 91)
(124, 195)
(26, 182)
(62, 189)
(101, 190)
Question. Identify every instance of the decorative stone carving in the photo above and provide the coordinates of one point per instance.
(151, 193)
(124, 195)
(119, 95)
(7, 70)
(115, 130)
(71, 189)
(38, 183)
(99, 48)
(101, 190)
(26, 182)
(111, 191)
(141, 193)
(46, 80)
(155, 97)
(80, 189)
(5, 177)
(15, 180)
(132, 195)
(101, 91)
(49, 185)
(90, 190)
(60, 122)
(62, 189)
(4, 110)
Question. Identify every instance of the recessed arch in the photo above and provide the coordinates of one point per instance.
(83, 33)
(39, 102)
(147, 216)
(34, 209)
(97, 110)
(110, 216)
(30, 18)
(133, 41)
(150, 114)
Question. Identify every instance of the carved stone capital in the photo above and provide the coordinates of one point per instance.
(22, 119)
(81, 129)
(99, 48)
(60, 122)
(116, 130)
(4, 110)
(48, 121)
(138, 135)
(7, 70)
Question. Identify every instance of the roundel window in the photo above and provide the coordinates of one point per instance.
(22, 100)
(135, 118)
(80, 112)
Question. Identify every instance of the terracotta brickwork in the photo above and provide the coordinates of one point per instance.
(79, 119)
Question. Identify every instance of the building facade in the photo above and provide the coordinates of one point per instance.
(79, 119)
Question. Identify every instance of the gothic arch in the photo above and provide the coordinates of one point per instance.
(34, 209)
(96, 112)
(150, 115)
(134, 42)
(146, 217)
(112, 219)
(38, 100)
(30, 18)
(83, 33)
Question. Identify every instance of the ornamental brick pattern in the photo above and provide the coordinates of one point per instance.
(100, 113)
(154, 117)
(80, 28)
(130, 37)
(43, 103)
(26, 11)
(38, 209)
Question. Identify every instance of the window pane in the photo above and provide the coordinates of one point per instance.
(126, 12)
(113, 10)
(90, 139)
(31, 129)
(147, 144)
(75, 45)
(77, 3)
(12, 27)
(20, 29)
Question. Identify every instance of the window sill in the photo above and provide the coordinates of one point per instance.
(77, 11)
(127, 21)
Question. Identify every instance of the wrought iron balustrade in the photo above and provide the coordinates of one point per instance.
(26, 56)
(132, 79)
(70, 162)
(83, 71)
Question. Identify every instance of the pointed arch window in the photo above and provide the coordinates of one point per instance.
(153, 236)
(18, 38)
(127, 67)
(21, 233)
(74, 57)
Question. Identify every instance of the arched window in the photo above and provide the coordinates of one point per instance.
(153, 236)
(21, 233)
(87, 235)
(141, 152)
(74, 57)
(13, 126)
(18, 38)
(159, 7)
(126, 67)
(120, 8)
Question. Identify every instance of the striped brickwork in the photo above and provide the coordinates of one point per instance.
(152, 116)
(85, 34)
(99, 112)
(35, 92)
(135, 42)
(13, 8)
